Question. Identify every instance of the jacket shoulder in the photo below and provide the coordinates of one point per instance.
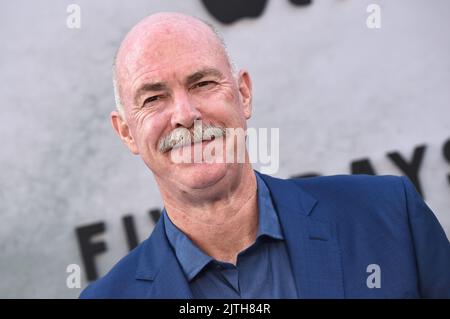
(359, 196)
(360, 183)
(354, 188)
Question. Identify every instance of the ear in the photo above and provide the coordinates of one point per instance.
(123, 130)
(245, 92)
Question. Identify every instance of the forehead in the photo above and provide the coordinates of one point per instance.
(159, 51)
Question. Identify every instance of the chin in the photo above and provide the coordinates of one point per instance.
(202, 175)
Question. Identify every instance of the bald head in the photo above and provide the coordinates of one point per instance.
(154, 40)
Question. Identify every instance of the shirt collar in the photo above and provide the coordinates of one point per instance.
(193, 259)
(269, 224)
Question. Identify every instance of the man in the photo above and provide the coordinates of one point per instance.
(229, 232)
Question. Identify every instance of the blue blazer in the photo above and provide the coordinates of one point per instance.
(335, 227)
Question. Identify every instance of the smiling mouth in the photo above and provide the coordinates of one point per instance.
(181, 145)
(181, 137)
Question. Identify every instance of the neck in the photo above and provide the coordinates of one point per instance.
(222, 226)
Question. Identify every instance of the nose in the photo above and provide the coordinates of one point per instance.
(184, 113)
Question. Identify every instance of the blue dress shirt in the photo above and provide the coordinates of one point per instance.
(262, 270)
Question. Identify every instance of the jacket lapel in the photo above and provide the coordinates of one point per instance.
(312, 244)
(158, 264)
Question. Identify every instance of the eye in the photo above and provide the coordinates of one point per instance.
(204, 84)
(152, 99)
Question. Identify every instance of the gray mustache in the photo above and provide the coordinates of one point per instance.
(182, 136)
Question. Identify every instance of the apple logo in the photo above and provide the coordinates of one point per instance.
(300, 2)
(232, 10)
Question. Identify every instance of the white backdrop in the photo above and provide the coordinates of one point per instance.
(337, 90)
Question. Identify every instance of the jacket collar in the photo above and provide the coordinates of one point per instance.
(158, 263)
